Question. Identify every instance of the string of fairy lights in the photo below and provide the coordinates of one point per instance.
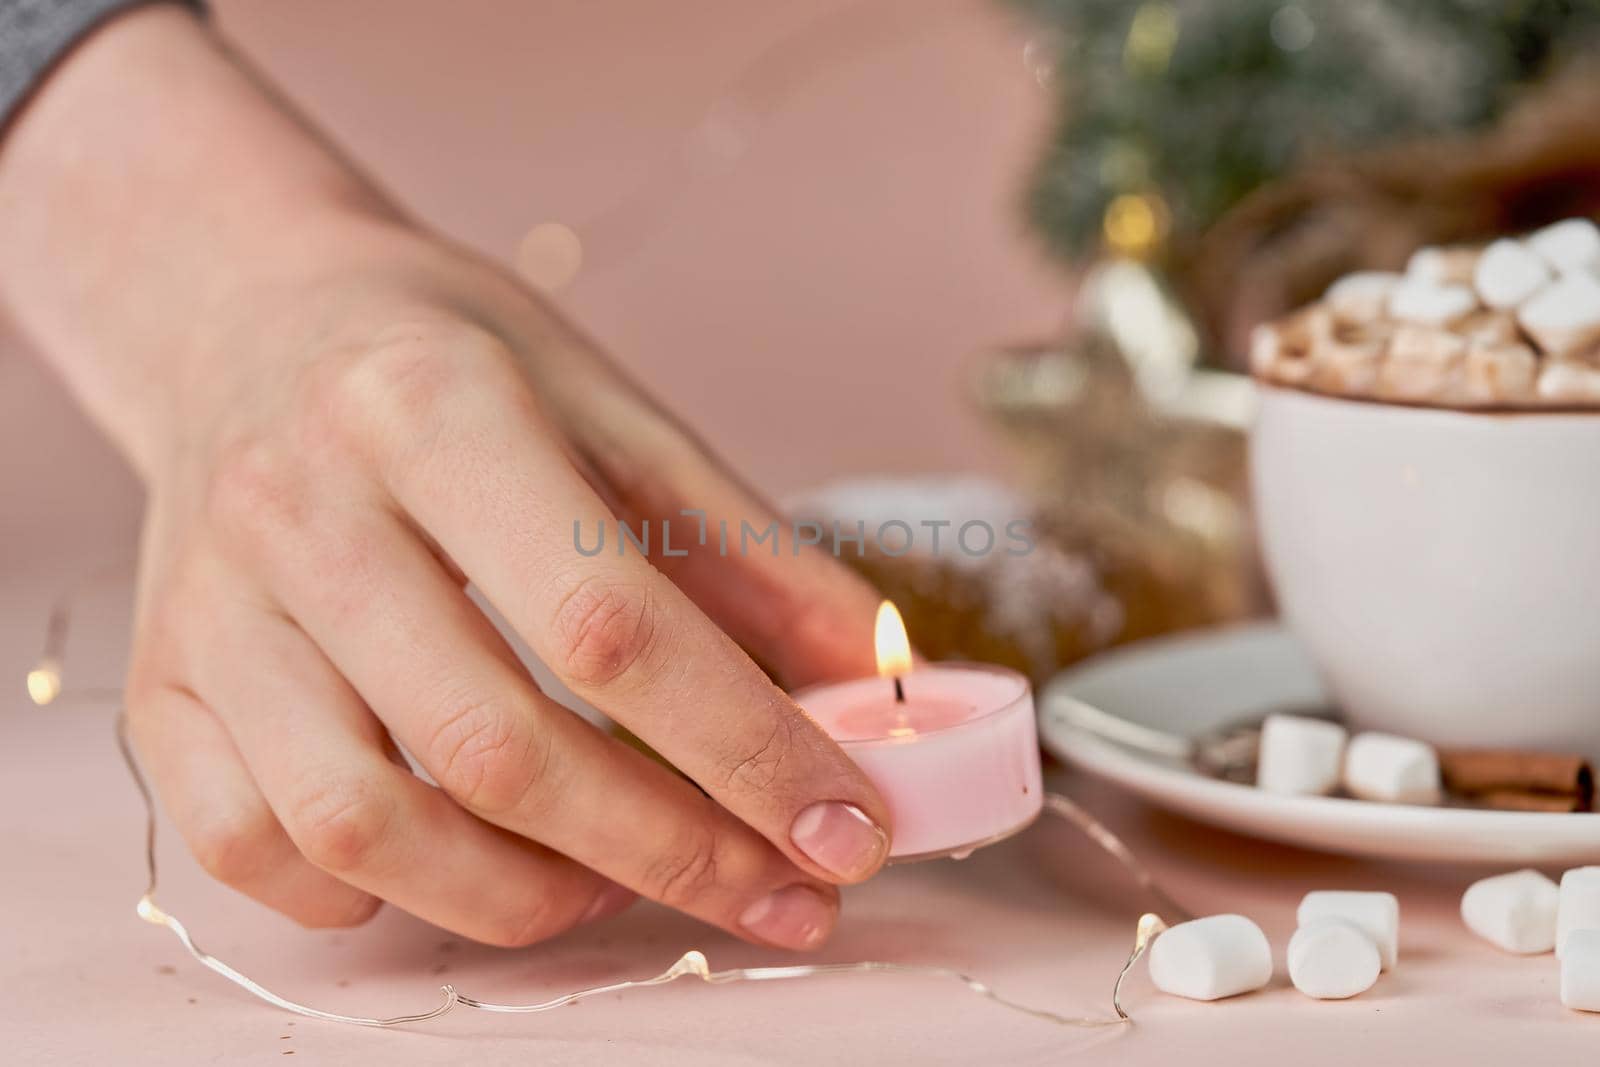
(47, 684)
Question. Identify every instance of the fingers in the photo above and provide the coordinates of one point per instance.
(428, 662)
(799, 609)
(496, 492)
(217, 808)
(319, 758)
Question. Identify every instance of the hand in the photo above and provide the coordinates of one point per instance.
(340, 421)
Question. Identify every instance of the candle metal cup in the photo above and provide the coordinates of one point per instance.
(967, 776)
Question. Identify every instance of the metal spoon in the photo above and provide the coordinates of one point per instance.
(1228, 751)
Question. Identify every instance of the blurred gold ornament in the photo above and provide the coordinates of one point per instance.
(1135, 224)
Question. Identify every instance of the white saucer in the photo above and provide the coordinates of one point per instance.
(1192, 684)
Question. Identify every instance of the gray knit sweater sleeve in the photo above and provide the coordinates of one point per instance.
(34, 34)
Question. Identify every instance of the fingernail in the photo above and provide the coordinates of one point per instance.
(840, 838)
(608, 902)
(795, 916)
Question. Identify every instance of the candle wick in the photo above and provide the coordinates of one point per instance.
(899, 690)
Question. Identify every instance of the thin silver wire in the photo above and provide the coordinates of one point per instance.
(691, 964)
(1101, 835)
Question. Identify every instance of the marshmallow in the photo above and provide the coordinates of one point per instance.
(1299, 755)
(1346, 358)
(1564, 382)
(1431, 303)
(1281, 351)
(1273, 358)
(1425, 363)
(1516, 911)
(1508, 273)
(1331, 959)
(1580, 972)
(1568, 246)
(1564, 317)
(1211, 958)
(1499, 373)
(1442, 266)
(1389, 768)
(1375, 914)
(1490, 327)
(1580, 904)
(1362, 296)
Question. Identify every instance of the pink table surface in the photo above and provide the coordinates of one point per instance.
(1044, 918)
(897, 241)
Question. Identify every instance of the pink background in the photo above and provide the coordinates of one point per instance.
(813, 308)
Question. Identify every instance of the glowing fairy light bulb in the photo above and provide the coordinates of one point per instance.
(44, 682)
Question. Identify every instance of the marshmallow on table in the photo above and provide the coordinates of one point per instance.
(1375, 914)
(1508, 273)
(1564, 317)
(1211, 958)
(1389, 768)
(1516, 911)
(1579, 908)
(1580, 971)
(1332, 959)
(1568, 246)
(1431, 303)
(1299, 755)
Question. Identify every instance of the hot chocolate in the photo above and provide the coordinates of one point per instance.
(1514, 324)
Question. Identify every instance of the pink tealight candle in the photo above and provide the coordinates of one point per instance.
(952, 748)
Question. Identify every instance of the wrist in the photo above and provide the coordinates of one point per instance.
(151, 194)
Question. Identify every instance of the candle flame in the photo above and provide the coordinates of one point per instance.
(893, 646)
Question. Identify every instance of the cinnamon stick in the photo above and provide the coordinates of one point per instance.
(1484, 772)
(1513, 800)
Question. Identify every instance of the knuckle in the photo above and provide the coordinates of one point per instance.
(605, 630)
(682, 876)
(255, 487)
(403, 378)
(234, 848)
(342, 826)
(489, 755)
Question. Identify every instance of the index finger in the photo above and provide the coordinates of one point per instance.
(495, 490)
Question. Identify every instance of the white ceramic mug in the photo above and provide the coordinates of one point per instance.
(1443, 567)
